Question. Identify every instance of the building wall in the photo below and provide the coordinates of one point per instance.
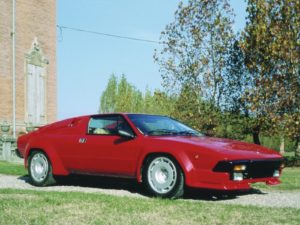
(35, 20)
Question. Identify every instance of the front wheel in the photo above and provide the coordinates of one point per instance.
(163, 177)
(40, 169)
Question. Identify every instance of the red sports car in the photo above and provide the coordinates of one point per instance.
(158, 151)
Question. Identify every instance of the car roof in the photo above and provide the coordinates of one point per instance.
(124, 113)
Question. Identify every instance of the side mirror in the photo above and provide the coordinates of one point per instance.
(125, 134)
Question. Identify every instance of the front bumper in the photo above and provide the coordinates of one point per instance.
(258, 171)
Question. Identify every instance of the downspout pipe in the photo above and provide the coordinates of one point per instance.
(14, 65)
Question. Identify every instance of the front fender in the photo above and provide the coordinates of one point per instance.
(181, 157)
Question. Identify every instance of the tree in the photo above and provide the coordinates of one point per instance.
(121, 96)
(192, 60)
(164, 104)
(124, 97)
(272, 49)
(195, 48)
(196, 112)
(236, 81)
(108, 98)
(236, 118)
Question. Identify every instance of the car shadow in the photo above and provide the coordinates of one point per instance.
(88, 181)
(132, 186)
(216, 195)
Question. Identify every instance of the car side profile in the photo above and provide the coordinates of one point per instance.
(161, 153)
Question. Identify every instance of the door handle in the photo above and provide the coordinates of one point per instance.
(82, 140)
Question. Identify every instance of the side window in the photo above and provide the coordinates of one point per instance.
(103, 125)
(108, 125)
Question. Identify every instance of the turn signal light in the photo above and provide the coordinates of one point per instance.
(239, 168)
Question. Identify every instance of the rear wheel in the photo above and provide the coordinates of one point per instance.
(40, 169)
(163, 177)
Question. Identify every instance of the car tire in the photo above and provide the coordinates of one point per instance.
(163, 177)
(40, 169)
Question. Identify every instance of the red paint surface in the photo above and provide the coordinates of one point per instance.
(118, 156)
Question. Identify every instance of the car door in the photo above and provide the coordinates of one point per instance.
(104, 151)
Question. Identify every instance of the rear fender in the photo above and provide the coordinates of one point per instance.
(57, 165)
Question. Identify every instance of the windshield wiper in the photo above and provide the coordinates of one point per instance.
(187, 133)
(162, 131)
(172, 132)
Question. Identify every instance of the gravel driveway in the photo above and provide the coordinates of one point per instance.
(125, 188)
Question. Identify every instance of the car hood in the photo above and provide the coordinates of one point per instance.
(225, 148)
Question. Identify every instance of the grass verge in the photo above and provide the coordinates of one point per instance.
(290, 181)
(12, 168)
(32, 207)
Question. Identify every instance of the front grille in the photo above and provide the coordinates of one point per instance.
(261, 168)
(254, 168)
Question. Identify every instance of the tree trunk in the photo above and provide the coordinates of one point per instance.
(297, 150)
(282, 151)
(255, 135)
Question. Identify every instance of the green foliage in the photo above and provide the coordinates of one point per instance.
(158, 103)
(195, 48)
(109, 96)
(272, 48)
(236, 81)
(273, 141)
(192, 110)
(292, 161)
(121, 96)
(193, 59)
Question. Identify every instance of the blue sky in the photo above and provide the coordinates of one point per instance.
(85, 61)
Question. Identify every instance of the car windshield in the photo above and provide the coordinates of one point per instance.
(153, 125)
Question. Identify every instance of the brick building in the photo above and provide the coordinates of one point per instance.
(35, 62)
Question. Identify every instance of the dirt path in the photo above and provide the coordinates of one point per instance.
(257, 198)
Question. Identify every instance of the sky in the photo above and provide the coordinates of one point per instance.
(86, 61)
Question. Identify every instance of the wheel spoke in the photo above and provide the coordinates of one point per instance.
(39, 167)
(162, 175)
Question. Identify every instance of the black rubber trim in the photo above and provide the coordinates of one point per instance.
(254, 168)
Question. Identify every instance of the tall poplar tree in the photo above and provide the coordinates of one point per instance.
(109, 96)
(121, 96)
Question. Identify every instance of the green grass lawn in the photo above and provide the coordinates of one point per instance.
(34, 207)
(39, 207)
(290, 181)
(12, 168)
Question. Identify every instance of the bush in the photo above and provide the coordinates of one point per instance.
(292, 161)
